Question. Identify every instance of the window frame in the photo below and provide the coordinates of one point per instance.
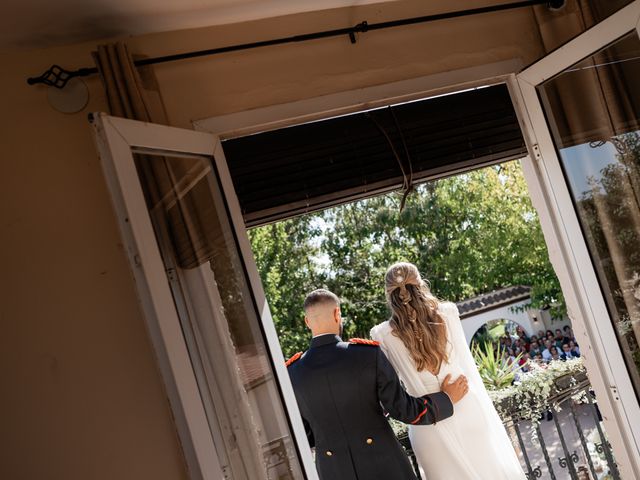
(566, 239)
(117, 140)
(550, 196)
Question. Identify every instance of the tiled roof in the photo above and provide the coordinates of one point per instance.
(493, 300)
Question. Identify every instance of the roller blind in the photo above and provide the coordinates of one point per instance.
(286, 172)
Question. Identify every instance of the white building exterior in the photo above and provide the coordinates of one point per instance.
(505, 304)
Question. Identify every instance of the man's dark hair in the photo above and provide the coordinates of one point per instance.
(318, 297)
(566, 327)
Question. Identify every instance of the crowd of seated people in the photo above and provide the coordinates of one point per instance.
(541, 348)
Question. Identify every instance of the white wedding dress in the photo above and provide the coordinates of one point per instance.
(472, 444)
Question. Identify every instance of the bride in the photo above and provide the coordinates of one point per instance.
(424, 342)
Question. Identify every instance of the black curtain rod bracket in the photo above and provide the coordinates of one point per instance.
(56, 76)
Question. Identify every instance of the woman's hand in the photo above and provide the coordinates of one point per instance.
(457, 389)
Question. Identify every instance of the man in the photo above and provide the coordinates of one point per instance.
(573, 347)
(534, 348)
(342, 388)
(567, 354)
(546, 353)
(560, 339)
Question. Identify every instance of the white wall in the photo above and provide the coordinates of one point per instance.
(471, 324)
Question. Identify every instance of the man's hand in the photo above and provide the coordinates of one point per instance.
(456, 390)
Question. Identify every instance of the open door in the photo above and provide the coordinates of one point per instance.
(204, 305)
(580, 106)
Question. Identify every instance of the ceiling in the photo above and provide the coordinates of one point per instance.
(40, 23)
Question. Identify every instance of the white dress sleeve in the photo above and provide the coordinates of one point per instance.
(399, 357)
(459, 347)
(465, 361)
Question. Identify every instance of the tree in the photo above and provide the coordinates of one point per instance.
(286, 254)
(468, 234)
(610, 213)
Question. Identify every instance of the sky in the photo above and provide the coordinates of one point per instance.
(584, 161)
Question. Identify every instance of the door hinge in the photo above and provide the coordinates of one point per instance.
(536, 152)
(614, 390)
(171, 274)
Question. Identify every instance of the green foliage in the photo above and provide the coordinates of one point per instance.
(468, 234)
(285, 254)
(609, 212)
(495, 371)
(532, 395)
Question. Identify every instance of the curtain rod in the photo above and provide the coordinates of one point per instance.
(58, 77)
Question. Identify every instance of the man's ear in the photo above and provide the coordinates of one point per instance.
(337, 315)
(306, 322)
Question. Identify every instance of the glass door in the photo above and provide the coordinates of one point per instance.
(204, 305)
(581, 108)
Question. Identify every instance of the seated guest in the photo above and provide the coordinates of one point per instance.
(534, 348)
(546, 353)
(518, 345)
(538, 358)
(575, 351)
(522, 335)
(555, 355)
(550, 337)
(524, 362)
(559, 339)
(566, 353)
(508, 342)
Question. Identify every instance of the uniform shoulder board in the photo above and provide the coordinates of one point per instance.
(362, 341)
(293, 359)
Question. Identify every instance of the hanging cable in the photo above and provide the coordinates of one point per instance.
(409, 187)
(407, 178)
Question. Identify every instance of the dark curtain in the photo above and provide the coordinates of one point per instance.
(133, 92)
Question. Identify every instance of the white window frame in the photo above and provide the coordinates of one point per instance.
(117, 139)
(548, 191)
(567, 246)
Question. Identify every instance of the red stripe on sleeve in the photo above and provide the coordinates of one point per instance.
(422, 414)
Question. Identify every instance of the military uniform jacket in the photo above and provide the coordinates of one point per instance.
(341, 389)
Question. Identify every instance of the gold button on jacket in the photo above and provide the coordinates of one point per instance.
(329, 453)
(369, 441)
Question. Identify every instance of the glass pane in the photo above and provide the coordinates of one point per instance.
(219, 317)
(593, 110)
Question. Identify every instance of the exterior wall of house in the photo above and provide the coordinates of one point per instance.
(82, 395)
(472, 323)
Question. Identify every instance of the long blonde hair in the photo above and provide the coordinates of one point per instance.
(415, 318)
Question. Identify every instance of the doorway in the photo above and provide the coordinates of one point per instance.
(181, 296)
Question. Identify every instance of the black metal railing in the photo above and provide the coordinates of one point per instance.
(568, 442)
